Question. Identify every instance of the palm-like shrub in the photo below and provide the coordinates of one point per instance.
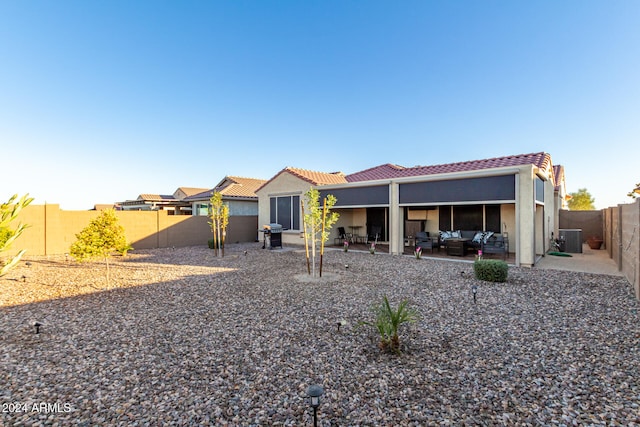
(388, 321)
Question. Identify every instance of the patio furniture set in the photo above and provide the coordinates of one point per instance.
(460, 242)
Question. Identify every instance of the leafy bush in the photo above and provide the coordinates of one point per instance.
(5, 234)
(9, 212)
(103, 236)
(388, 322)
(211, 243)
(100, 238)
(491, 270)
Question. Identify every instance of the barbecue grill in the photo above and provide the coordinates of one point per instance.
(274, 233)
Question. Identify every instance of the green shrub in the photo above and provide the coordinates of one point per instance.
(491, 270)
(5, 234)
(210, 243)
(9, 212)
(103, 236)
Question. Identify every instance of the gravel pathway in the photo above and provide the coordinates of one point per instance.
(184, 338)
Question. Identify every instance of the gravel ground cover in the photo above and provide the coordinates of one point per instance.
(184, 338)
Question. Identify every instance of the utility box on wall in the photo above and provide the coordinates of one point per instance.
(572, 238)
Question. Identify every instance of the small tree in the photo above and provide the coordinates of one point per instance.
(581, 201)
(9, 212)
(103, 236)
(317, 223)
(219, 215)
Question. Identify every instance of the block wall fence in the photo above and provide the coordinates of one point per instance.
(52, 231)
(619, 228)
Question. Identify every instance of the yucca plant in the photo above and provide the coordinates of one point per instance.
(388, 322)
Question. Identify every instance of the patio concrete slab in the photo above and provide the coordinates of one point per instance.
(589, 261)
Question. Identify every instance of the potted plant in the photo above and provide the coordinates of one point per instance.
(594, 242)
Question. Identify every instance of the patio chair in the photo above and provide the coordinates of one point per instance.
(424, 241)
(376, 233)
(342, 236)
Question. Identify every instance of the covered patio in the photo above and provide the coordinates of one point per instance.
(383, 248)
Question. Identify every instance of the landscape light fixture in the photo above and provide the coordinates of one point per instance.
(314, 392)
(37, 326)
(474, 289)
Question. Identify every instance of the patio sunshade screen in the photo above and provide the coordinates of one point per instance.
(460, 190)
(359, 196)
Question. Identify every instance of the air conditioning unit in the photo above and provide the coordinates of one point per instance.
(572, 239)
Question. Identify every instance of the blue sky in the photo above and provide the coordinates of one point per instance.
(103, 100)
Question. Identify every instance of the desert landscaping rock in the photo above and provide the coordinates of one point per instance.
(180, 337)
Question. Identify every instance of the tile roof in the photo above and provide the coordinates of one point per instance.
(241, 187)
(388, 171)
(232, 186)
(558, 176)
(190, 191)
(312, 177)
(318, 178)
(157, 197)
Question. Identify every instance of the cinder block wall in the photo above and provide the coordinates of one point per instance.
(52, 231)
(589, 221)
(630, 244)
(619, 227)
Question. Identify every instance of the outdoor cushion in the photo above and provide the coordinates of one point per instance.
(444, 235)
(477, 238)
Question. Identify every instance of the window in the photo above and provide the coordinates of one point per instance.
(467, 217)
(202, 209)
(285, 211)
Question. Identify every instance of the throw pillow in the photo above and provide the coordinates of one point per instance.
(456, 234)
(444, 235)
(487, 235)
(477, 238)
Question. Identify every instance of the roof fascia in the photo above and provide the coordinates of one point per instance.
(507, 170)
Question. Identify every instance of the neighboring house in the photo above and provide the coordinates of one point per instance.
(174, 203)
(279, 198)
(515, 195)
(239, 194)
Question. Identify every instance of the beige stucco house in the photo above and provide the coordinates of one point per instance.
(517, 196)
(238, 192)
(279, 199)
